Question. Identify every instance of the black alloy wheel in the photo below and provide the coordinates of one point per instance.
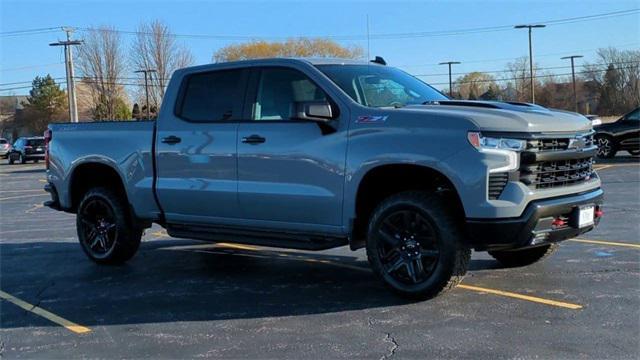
(106, 231)
(409, 251)
(606, 147)
(97, 224)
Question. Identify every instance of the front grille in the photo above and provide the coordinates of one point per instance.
(555, 144)
(574, 168)
(497, 182)
(550, 174)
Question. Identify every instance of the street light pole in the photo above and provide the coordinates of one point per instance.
(450, 82)
(533, 92)
(68, 63)
(573, 78)
(146, 88)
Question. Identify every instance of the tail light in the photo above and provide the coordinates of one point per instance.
(48, 135)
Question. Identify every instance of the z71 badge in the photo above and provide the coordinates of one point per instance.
(372, 119)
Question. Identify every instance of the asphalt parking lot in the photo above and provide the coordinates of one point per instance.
(182, 298)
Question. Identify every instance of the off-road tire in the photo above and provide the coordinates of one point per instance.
(524, 257)
(126, 236)
(447, 270)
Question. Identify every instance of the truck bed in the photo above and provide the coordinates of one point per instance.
(125, 146)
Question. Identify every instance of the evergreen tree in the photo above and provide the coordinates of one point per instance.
(46, 103)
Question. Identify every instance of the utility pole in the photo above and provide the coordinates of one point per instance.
(146, 88)
(450, 82)
(573, 78)
(533, 90)
(68, 61)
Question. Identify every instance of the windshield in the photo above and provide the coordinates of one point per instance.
(380, 86)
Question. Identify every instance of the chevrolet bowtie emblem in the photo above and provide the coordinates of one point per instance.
(577, 143)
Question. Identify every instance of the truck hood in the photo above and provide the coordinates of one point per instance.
(508, 116)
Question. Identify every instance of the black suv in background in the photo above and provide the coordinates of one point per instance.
(623, 134)
(27, 149)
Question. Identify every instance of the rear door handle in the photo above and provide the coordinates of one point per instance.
(253, 139)
(171, 140)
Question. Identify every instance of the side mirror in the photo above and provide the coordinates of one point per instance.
(314, 111)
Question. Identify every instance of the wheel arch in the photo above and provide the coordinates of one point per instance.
(385, 180)
(87, 175)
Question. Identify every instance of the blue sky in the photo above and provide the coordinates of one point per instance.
(24, 57)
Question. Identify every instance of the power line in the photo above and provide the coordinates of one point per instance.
(537, 69)
(82, 79)
(379, 36)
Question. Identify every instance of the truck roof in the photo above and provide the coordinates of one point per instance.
(280, 61)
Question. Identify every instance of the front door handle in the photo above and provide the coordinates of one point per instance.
(171, 140)
(253, 139)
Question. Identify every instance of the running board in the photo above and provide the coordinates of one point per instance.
(255, 237)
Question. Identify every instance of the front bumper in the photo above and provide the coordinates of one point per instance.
(534, 227)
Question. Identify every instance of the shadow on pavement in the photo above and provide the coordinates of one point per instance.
(171, 285)
(163, 285)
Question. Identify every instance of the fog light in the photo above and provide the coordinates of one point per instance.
(539, 238)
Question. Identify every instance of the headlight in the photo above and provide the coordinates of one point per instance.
(508, 148)
(483, 142)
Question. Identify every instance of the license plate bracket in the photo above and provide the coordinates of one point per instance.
(585, 215)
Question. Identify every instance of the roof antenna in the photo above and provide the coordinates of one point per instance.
(379, 60)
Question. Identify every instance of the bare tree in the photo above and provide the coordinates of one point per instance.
(102, 67)
(518, 76)
(615, 76)
(156, 48)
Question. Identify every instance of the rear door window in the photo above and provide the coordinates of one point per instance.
(35, 142)
(213, 96)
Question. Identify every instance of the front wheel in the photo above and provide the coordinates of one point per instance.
(415, 246)
(104, 229)
(606, 147)
(524, 257)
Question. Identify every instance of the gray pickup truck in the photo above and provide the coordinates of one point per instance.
(316, 154)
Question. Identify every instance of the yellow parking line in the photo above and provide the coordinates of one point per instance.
(522, 297)
(598, 168)
(598, 242)
(238, 246)
(23, 196)
(78, 329)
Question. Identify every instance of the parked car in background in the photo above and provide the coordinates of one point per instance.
(27, 149)
(5, 147)
(623, 134)
(595, 119)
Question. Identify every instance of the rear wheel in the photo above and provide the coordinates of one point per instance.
(606, 146)
(11, 160)
(524, 257)
(104, 229)
(414, 245)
